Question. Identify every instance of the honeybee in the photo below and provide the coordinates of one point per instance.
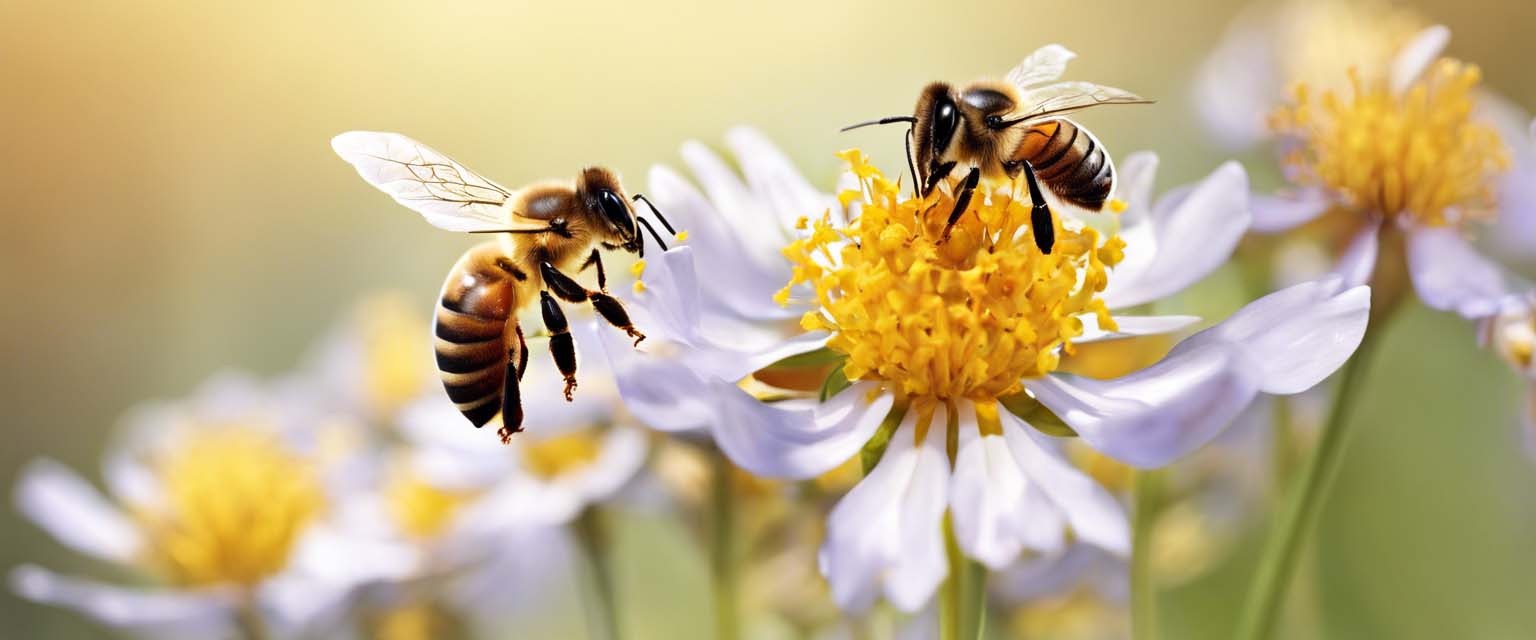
(999, 129)
(545, 232)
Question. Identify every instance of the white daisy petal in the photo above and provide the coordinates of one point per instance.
(997, 510)
(776, 180)
(886, 534)
(662, 392)
(72, 511)
(1450, 275)
(1193, 232)
(1359, 258)
(1295, 337)
(669, 305)
(178, 614)
(795, 439)
(757, 226)
(621, 456)
(1283, 212)
(1240, 82)
(1138, 172)
(1416, 56)
(1155, 415)
(1132, 326)
(1093, 513)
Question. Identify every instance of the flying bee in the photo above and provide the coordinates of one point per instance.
(545, 232)
(999, 129)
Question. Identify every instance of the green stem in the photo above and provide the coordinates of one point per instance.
(1148, 496)
(722, 549)
(963, 600)
(248, 620)
(1282, 442)
(1278, 560)
(592, 537)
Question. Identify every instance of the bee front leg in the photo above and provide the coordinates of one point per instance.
(606, 306)
(596, 260)
(962, 200)
(560, 344)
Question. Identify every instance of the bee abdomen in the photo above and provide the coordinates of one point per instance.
(1070, 161)
(474, 322)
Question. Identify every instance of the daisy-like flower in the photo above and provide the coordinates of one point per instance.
(948, 354)
(224, 501)
(375, 361)
(1400, 150)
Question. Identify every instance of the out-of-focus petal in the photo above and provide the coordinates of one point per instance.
(72, 511)
(1295, 337)
(775, 179)
(1359, 258)
(1512, 235)
(795, 439)
(1192, 233)
(622, 454)
(887, 534)
(1153, 416)
(159, 614)
(1138, 172)
(1416, 56)
(1285, 211)
(1240, 82)
(1450, 275)
(758, 227)
(1093, 513)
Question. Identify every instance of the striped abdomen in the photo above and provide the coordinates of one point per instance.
(1070, 161)
(475, 338)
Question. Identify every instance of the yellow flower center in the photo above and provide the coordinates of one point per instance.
(555, 456)
(1318, 39)
(1418, 153)
(420, 509)
(235, 502)
(967, 317)
(415, 621)
(396, 367)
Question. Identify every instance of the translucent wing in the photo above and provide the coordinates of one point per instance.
(446, 193)
(1055, 100)
(1044, 65)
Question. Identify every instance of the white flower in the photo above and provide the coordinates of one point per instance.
(1439, 151)
(1008, 487)
(221, 498)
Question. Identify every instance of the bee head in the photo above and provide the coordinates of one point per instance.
(604, 199)
(935, 129)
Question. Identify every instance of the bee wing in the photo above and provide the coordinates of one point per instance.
(1055, 100)
(1044, 65)
(448, 194)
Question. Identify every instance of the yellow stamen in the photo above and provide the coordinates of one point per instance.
(422, 510)
(557, 455)
(637, 268)
(964, 318)
(1419, 153)
(682, 236)
(235, 502)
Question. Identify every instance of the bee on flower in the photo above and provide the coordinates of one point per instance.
(945, 355)
(225, 503)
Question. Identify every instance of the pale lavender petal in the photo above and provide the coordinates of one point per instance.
(1450, 275)
(160, 614)
(775, 180)
(660, 390)
(1240, 82)
(1416, 56)
(795, 439)
(1285, 211)
(72, 511)
(1359, 258)
(1093, 513)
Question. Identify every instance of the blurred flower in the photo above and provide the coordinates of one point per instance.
(1079, 593)
(932, 336)
(375, 361)
(225, 500)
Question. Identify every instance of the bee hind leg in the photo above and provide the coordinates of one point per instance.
(560, 344)
(511, 399)
(1041, 224)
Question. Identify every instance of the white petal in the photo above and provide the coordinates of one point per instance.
(997, 511)
(1131, 326)
(1138, 172)
(1450, 275)
(737, 366)
(1277, 213)
(1240, 82)
(775, 179)
(1093, 513)
(740, 281)
(1193, 233)
(1359, 259)
(71, 510)
(1153, 416)
(669, 305)
(795, 439)
(1416, 56)
(887, 534)
(1512, 234)
(180, 614)
(621, 456)
(1295, 337)
(660, 391)
(744, 211)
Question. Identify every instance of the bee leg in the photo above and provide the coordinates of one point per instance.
(939, 173)
(560, 344)
(596, 260)
(522, 353)
(962, 200)
(606, 306)
(511, 396)
(1041, 223)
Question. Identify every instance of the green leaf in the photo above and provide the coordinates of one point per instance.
(870, 455)
(835, 383)
(1037, 415)
(815, 358)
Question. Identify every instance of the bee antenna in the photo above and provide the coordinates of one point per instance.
(657, 236)
(641, 197)
(885, 120)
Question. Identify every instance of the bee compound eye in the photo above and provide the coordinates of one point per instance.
(616, 211)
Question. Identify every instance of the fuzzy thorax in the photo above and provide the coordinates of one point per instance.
(968, 317)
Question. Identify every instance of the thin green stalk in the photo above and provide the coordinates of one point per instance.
(723, 567)
(1305, 502)
(963, 599)
(1148, 497)
(592, 538)
(1282, 442)
(248, 620)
